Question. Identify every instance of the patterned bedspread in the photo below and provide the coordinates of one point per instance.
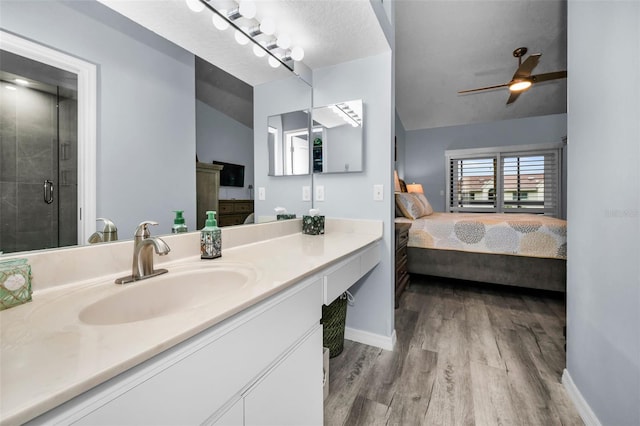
(517, 233)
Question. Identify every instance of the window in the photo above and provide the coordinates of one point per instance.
(528, 180)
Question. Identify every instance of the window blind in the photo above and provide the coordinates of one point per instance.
(527, 181)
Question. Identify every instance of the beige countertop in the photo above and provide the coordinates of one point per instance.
(48, 355)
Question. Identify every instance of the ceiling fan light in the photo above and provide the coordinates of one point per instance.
(519, 85)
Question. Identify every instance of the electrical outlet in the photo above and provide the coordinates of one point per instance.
(319, 192)
(306, 193)
(378, 194)
(262, 193)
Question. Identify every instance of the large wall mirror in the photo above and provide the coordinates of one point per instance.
(145, 146)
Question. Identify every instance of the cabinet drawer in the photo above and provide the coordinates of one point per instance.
(198, 380)
(401, 239)
(340, 279)
(225, 207)
(243, 208)
(345, 274)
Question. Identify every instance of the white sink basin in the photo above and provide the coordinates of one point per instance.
(180, 289)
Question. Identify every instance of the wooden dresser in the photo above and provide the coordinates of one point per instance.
(402, 274)
(233, 212)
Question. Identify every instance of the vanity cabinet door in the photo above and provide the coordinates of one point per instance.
(290, 393)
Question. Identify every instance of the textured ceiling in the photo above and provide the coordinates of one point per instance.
(446, 46)
(330, 31)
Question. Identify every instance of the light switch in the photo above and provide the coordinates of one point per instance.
(319, 192)
(378, 192)
(306, 193)
(262, 193)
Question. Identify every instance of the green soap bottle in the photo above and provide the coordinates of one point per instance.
(210, 238)
(178, 223)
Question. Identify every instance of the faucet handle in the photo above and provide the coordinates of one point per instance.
(142, 230)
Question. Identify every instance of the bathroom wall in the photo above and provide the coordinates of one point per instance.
(400, 146)
(351, 195)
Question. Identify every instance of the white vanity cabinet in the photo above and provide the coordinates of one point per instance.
(198, 380)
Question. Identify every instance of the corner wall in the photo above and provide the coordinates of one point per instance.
(603, 272)
(350, 195)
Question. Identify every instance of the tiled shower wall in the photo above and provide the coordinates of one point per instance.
(29, 151)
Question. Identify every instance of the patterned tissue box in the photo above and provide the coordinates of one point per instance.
(15, 283)
(313, 225)
(286, 216)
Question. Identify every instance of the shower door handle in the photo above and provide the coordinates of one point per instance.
(48, 191)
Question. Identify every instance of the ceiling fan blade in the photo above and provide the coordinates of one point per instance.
(484, 88)
(527, 66)
(512, 97)
(549, 76)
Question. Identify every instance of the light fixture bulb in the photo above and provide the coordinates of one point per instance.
(247, 9)
(195, 5)
(274, 62)
(258, 51)
(297, 53)
(284, 41)
(241, 38)
(268, 26)
(520, 85)
(10, 87)
(21, 82)
(219, 22)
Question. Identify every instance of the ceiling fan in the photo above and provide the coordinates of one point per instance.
(522, 80)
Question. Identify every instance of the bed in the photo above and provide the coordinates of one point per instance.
(517, 249)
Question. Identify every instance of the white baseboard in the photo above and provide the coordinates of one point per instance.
(588, 416)
(371, 339)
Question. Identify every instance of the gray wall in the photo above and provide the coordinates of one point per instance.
(424, 160)
(351, 195)
(603, 283)
(277, 97)
(146, 107)
(221, 138)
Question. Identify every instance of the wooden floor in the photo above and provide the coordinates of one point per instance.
(466, 355)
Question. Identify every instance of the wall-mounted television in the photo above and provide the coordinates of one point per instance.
(231, 174)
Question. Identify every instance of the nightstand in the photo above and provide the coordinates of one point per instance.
(402, 274)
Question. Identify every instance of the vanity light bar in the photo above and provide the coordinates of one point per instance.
(347, 114)
(269, 48)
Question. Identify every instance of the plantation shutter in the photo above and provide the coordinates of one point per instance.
(527, 181)
(472, 184)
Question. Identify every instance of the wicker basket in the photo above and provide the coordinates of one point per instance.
(333, 320)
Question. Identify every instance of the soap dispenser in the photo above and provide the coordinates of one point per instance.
(178, 223)
(210, 238)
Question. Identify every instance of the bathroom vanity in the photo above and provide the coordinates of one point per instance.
(243, 349)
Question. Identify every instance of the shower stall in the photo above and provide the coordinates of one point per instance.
(38, 155)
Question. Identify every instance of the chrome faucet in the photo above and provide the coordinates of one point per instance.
(143, 247)
(108, 233)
